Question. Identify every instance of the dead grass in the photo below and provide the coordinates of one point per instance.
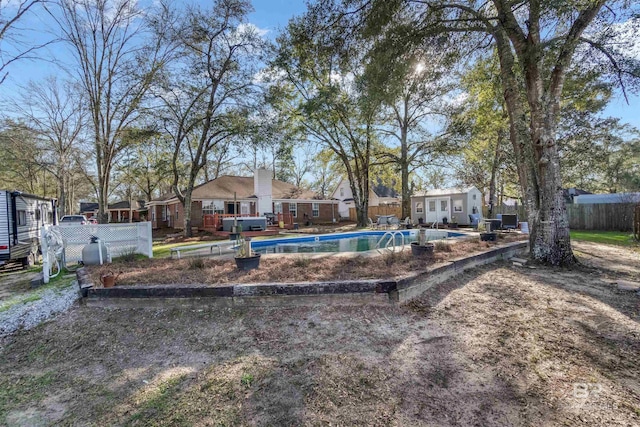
(499, 345)
(215, 271)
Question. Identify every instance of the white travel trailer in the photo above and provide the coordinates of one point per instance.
(21, 217)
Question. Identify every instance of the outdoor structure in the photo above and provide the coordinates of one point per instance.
(243, 196)
(21, 217)
(118, 212)
(607, 198)
(452, 204)
(570, 194)
(383, 200)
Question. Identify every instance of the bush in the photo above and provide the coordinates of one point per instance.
(442, 246)
(301, 262)
(196, 263)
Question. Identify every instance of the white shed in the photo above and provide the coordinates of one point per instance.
(454, 204)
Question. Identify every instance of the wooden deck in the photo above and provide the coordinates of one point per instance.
(270, 231)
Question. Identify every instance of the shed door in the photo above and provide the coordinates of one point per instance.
(438, 208)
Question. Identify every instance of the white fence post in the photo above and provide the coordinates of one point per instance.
(149, 239)
(44, 248)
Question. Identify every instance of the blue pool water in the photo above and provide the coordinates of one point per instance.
(341, 242)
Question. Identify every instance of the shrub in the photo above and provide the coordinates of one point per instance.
(301, 262)
(442, 246)
(196, 263)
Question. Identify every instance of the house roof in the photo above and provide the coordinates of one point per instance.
(224, 187)
(608, 198)
(444, 191)
(88, 207)
(124, 204)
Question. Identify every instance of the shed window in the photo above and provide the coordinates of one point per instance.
(419, 207)
(293, 209)
(432, 205)
(315, 209)
(457, 205)
(341, 191)
(22, 217)
(444, 205)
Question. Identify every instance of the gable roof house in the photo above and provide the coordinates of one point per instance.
(118, 211)
(379, 196)
(243, 196)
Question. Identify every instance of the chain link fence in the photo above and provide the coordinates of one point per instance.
(120, 239)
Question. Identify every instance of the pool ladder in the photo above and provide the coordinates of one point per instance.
(392, 240)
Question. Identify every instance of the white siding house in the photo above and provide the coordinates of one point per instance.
(454, 204)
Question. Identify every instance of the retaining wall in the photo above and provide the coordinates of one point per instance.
(279, 294)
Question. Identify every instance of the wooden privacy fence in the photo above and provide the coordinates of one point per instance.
(378, 210)
(602, 216)
(636, 223)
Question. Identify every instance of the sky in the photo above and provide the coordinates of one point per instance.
(270, 15)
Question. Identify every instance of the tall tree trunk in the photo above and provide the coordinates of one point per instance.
(494, 171)
(187, 213)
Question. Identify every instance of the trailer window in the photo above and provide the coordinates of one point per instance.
(22, 218)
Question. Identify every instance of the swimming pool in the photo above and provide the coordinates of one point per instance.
(342, 242)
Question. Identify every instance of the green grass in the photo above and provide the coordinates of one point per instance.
(17, 390)
(63, 280)
(164, 251)
(607, 237)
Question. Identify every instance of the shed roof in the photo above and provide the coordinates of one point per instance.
(444, 191)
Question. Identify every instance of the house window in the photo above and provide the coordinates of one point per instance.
(293, 209)
(277, 207)
(315, 209)
(419, 207)
(176, 212)
(341, 191)
(444, 205)
(22, 217)
(432, 205)
(153, 214)
(164, 213)
(210, 207)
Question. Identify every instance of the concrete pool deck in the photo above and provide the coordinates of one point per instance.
(378, 291)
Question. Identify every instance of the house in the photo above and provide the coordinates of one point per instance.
(570, 194)
(607, 198)
(118, 212)
(454, 204)
(380, 196)
(243, 196)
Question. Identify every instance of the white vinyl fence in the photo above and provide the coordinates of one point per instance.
(120, 239)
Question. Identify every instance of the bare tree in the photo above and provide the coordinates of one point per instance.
(116, 64)
(206, 92)
(55, 112)
(12, 46)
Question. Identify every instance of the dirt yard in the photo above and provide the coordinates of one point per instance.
(291, 268)
(500, 345)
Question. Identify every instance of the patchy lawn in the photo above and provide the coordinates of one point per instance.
(607, 237)
(500, 345)
(292, 268)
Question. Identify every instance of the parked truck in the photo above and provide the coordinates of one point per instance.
(21, 218)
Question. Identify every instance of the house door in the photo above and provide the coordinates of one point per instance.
(232, 208)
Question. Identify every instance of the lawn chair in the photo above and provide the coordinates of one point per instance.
(394, 223)
(474, 220)
(372, 225)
